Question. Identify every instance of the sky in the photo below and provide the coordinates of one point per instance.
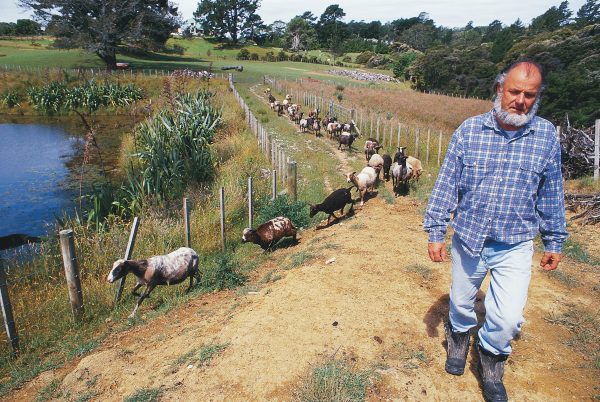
(448, 13)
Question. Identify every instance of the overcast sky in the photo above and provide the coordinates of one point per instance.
(448, 13)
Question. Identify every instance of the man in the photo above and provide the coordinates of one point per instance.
(501, 181)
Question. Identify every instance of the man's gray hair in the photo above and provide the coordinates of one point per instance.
(501, 77)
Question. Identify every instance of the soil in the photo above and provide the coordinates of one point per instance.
(380, 305)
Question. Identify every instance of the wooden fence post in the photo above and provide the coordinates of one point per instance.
(67, 247)
(292, 179)
(250, 206)
(186, 223)
(128, 251)
(399, 130)
(439, 149)
(417, 132)
(597, 150)
(377, 129)
(274, 185)
(9, 322)
(222, 207)
(428, 139)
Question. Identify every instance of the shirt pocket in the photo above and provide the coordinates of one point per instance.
(529, 176)
(474, 172)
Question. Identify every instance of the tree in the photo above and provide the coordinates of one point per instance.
(27, 27)
(226, 17)
(330, 28)
(492, 31)
(103, 26)
(300, 35)
(589, 13)
(552, 19)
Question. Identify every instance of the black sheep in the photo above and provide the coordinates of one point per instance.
(387, 164)
(333, 202)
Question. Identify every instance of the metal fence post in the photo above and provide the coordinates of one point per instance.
(250, 206)
(128, 250)
(9, 322)
(186, 223)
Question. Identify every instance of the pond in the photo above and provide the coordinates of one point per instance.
(40, 166)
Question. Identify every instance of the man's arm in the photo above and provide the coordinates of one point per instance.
(550, 209)
(444, 198)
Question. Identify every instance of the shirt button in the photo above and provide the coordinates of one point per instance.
(500, 180)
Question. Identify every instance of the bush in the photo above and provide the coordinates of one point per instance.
(282, 56)
(364, 57)
(282, 206)
(220, 272)
(243, 54)
(254, 56)
(347, 59)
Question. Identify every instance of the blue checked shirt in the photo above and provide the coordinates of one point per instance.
(499, 187)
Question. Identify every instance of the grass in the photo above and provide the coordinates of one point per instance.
(334, 381)
(207, 352)
(300, 258)
(585, 329)
(50, 391)
(574, 250)
(422, 270)
(144, 395)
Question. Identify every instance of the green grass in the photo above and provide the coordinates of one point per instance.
(300, 258)
(574, 250)
(144, 395)
(334, 381)
(207, 352)
(48, 392)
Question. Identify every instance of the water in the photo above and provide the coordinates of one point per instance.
(33, 176)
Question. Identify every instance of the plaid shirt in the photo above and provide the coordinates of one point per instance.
(499, 187)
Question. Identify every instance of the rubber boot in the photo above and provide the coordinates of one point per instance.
(458, 348)
(491, 370)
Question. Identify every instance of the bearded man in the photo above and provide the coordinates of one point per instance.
(501, 183)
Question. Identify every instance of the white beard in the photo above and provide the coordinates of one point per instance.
(514, 119)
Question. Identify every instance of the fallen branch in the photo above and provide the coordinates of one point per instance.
(588, 206)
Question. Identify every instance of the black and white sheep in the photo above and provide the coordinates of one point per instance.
(371, 147)
(167, 269)
(401, 174)
(270, 232)
(364, 181)
(346, 139)
(336, 201)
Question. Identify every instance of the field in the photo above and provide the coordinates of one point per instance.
(368, 323)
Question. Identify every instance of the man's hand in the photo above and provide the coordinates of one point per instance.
(549, 261)
(437, 252)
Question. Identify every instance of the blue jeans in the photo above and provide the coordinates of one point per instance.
(510, 273)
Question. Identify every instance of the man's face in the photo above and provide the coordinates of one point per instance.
(520, 89)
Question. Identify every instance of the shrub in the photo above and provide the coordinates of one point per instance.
(347, 59)
(253, 56)
(282, 206)
(282, 56)
(364, 57)
(220, 272)
(11, 99)
(243, 54)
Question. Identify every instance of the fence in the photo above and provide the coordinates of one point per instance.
(427, 144)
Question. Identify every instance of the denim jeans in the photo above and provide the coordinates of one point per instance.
(510, 272)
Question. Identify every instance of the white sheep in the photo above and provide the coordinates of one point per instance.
(416, 166)
(364, 181)
(376, 162)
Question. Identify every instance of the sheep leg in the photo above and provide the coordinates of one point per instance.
(191, 284)
(144, 295)
(135, 288)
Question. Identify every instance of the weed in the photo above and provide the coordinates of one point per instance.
(357, 226)
(247, 289)
(221, 272)
(50, 391)
(282, 206)
(564, 278)
(269, 277)
(423, 270)
(300, 258)
(89, 395)
(209, 351)
(144, 395)
(334, 381)
(573, 250)
(386, 195)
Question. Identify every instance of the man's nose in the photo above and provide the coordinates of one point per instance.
(520, 99)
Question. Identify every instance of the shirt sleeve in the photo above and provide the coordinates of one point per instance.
(550, 206)
(444, 197)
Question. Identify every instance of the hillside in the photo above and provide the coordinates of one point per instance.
(378, 307)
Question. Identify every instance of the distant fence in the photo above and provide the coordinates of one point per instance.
(427, 144)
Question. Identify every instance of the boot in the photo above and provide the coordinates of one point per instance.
(491, 370)
(458, 347)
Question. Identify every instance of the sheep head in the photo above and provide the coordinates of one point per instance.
(313, 210)
(250, 235)
(118, 271)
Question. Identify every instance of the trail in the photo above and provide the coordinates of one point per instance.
(378, 306)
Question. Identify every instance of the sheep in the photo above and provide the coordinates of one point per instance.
(387, 163)
(270, 232)
(349, 127)
(371, 147)
(376, 162)
(303, 125)
(271, 98)
(416, 166)
(315, 126)
(364, 181)
(398, 153)
(346, 139)
(332, 129)
(401, 174)
(167, 269)
(335, 201)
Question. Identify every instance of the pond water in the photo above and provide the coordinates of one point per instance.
(33, 176)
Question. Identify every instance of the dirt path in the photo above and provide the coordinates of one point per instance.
(378, 306)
